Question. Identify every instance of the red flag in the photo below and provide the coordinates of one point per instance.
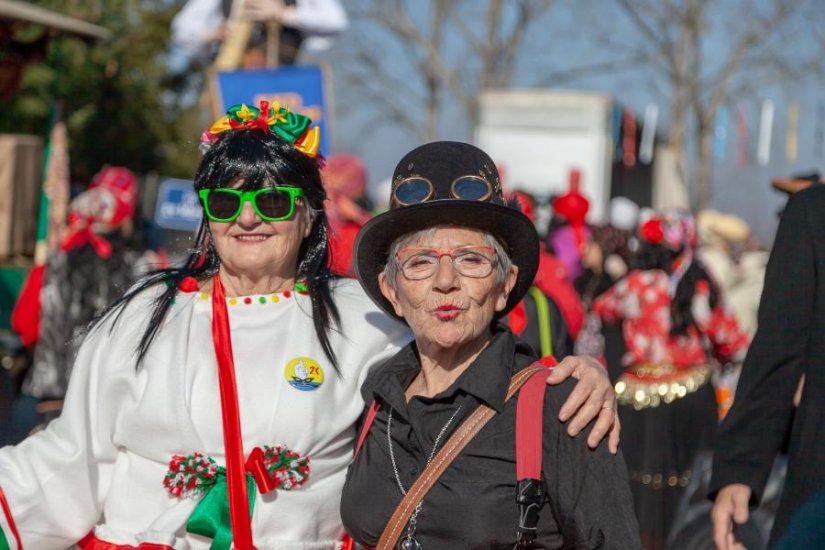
(629, 139)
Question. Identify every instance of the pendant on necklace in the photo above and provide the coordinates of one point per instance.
(409, 543)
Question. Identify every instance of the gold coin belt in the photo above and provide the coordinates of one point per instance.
(648, 386)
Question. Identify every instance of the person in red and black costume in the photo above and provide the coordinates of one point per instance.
(677, 329)
(94, 265)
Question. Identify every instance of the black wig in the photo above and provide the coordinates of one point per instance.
(653, 256)
(260, 159)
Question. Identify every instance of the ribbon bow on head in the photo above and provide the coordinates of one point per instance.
(675, 229)
(289, 126)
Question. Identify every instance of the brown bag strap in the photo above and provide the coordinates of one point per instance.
(462, 436)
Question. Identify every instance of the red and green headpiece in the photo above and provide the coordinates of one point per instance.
(292, 127)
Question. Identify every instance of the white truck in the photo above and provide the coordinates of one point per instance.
(538, 136)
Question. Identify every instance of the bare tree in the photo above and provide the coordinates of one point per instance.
(446, 56)
(710, 52)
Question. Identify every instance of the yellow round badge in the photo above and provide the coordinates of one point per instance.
(304, 373)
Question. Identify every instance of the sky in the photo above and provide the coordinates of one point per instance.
(566, 38)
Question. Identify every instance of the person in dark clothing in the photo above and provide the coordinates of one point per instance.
(551, 313)
(450, 260)
(605, 260)
(788, 344)
(538, 321)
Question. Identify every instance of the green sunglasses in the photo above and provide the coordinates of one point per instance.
(272, 204)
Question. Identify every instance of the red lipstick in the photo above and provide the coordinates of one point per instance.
(447, 312)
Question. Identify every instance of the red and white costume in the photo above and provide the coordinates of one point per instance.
(100, 467)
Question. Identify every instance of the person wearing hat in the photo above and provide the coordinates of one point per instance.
(96, 262)
(450, 259)
(215, 404)
(676, 328)
(570, 233)
(718, 232)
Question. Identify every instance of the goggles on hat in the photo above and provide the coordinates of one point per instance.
(415, 189)
(272, 204)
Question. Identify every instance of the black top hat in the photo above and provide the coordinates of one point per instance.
(446, 165)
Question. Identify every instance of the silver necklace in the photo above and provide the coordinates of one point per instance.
(409, 542)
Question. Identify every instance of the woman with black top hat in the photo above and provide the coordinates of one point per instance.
(450, 259)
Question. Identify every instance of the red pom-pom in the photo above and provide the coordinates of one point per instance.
(188, 284)
(548, 361)
(652, 231)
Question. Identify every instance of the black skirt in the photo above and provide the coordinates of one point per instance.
(659, 445)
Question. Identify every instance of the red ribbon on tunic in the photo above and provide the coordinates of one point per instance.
(230, 414)
(256, 466)
(9, 519)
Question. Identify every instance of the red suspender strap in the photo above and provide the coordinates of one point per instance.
(9, 519)
(365, 429)
(529, 417)
(230, 413)
(529, 422)
(529, 425)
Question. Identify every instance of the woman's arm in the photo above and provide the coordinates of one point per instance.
(55, 481)
(588, 489)
(592, 399)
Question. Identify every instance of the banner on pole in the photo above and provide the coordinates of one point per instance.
(299, 88)
(791, 141)
(648, 133)
(763, 149)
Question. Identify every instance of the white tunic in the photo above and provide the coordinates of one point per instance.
(101, 464)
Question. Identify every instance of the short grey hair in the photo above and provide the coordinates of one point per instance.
(501, 267)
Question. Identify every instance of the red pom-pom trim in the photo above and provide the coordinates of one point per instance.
(188, 284)
(653, 231)
(548, 361)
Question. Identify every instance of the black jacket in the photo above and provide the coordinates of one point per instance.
(473, 504)
(790, 341)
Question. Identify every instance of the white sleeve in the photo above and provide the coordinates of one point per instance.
(55, 482)
(193, 26)
(325, 17)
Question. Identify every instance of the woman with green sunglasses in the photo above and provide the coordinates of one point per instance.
(215, 404)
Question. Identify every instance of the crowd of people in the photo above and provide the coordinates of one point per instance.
(215, 403)
(668, 302)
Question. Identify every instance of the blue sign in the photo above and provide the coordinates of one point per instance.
(298, 88)
(177, 206)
